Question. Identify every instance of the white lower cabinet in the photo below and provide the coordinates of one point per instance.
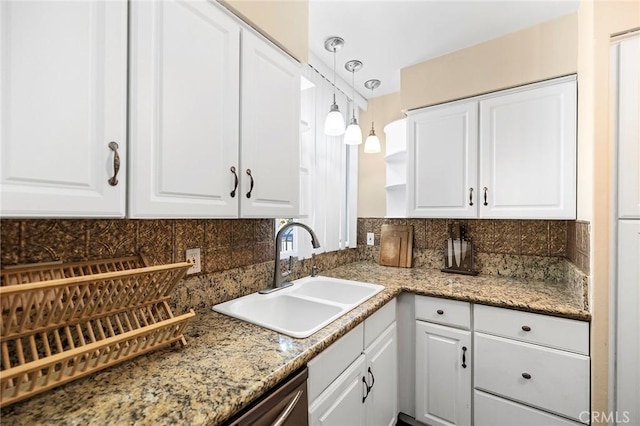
(443, 362)
(355, 380)
(524, 362)
(342, 402)
(490, 410)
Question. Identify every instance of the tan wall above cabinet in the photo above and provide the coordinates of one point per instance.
(285, 23)
(543, 51)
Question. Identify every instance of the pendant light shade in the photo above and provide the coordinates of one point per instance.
(334, 123)
(353, 135)
(372, 144)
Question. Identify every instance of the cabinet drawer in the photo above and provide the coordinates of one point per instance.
(331, 362)
(545, 378)
(377, 323)
(443, 311)
(490, 410)
(559, 333)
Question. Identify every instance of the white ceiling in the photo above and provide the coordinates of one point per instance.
(387, 35)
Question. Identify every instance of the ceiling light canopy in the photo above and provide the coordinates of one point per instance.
(353, 135)
(372, 144)
(334, 123)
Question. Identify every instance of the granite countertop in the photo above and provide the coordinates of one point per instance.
(228, 363)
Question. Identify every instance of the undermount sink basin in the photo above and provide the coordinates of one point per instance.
(302, 309)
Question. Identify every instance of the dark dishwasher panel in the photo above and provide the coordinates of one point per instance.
(285, 405)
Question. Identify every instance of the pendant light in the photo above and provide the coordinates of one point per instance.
(353, 135)
(372, 144)
(334, 123)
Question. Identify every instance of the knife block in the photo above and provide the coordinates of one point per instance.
(464, 265)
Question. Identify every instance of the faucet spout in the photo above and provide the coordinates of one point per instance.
(277, 283)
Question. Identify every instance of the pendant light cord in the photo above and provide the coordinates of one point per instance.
(334, 75)
(372, 111)
(353, 93)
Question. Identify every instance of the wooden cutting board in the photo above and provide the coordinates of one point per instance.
(396, 245)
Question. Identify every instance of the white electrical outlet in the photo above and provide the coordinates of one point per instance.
(369, 238)
(193, 256)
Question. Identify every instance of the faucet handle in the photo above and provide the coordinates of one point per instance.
(314, 271)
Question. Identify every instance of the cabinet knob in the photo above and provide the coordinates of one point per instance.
(526, 375)
(526, 328)
(440, 311)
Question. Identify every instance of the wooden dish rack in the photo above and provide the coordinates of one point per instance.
(63, 321)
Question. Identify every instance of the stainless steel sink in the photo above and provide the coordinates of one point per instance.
(302, 309)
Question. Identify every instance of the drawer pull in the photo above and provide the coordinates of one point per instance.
(526, 375)
(526, 328)
(251, 187)
(440, 311)
(464, 357)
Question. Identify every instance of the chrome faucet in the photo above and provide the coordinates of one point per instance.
(278, 283)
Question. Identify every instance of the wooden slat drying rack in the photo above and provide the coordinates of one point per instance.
(63, 321)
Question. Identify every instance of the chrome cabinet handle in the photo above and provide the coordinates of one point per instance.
(251, 187)
(464, 357)
(485, 189)
(526, 375)
(113, 180)
(287, 410)
(470, 196)
(235, 185)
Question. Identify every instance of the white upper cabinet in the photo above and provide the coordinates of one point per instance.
(63, 91)
(214, 121)
(508, 154)
(185, 77)
(528, 153)
(443, 157)
(270, 135)
(626, 92)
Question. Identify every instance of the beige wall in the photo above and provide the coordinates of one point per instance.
(285, 22)
(598, 21)
(371, 167)
(535, 53)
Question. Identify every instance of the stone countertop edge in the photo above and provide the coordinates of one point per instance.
(229, 363)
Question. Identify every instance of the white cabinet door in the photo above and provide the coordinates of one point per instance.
(342, 403)
(63, 91)
(382, 377)
(628, 320)
(528, 153)
(184, 110)
(627, 101)
(443, 375)
(270, 135)
(442, 148)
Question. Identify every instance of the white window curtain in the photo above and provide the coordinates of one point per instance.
(328, 173)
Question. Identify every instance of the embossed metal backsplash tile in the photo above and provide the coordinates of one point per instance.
(224, 244)
(549, 238)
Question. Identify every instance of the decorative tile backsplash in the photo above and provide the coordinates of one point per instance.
(224, 244)
(237, 255)
(546, 238)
